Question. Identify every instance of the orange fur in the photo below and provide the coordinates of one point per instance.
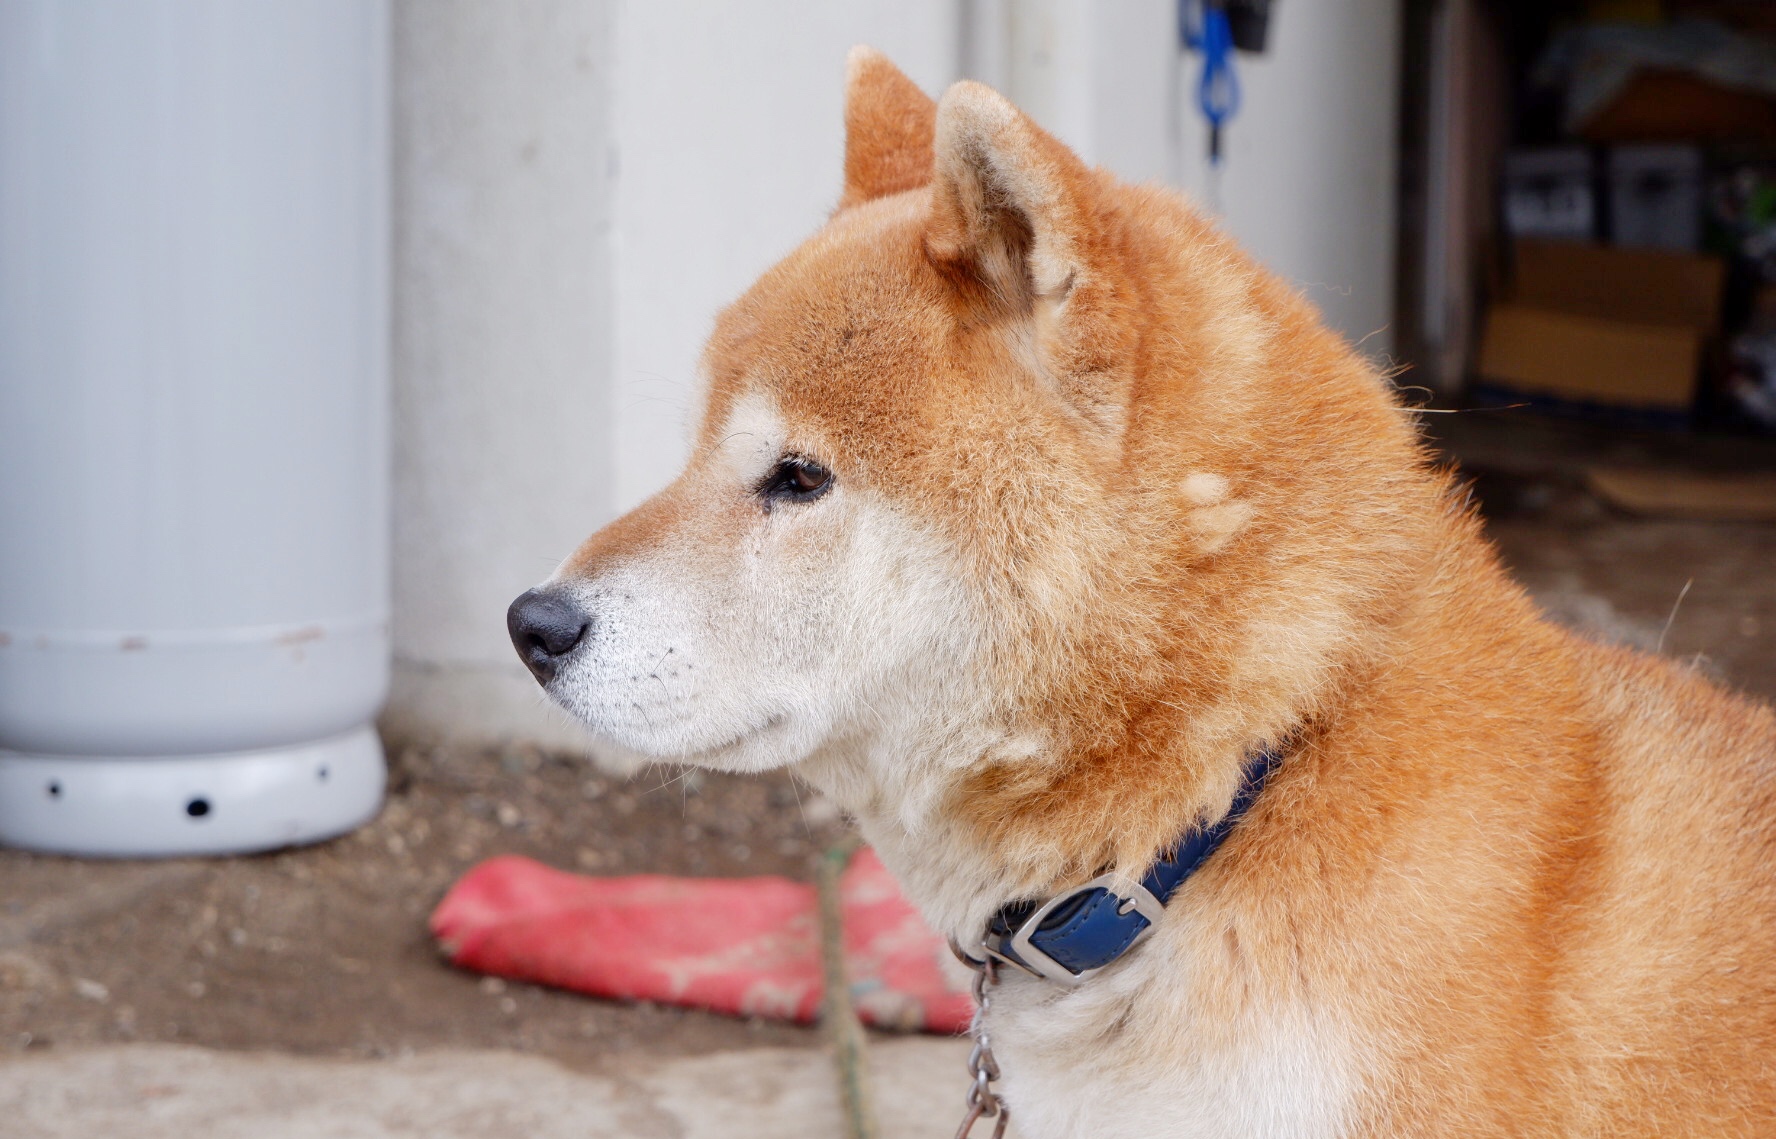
(1529, 879)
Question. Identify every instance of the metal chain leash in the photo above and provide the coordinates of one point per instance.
(983, 1102)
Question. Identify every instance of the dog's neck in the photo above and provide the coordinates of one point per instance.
(923, 813)
(993, 814)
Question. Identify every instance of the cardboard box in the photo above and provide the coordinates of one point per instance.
(1600, 328)
(1641, 286)
(1658, 105)
(1588, 360)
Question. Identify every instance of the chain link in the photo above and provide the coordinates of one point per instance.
(982, 1101)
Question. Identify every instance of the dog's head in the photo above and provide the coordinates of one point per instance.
(968, 465)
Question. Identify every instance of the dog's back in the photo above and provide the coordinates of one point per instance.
(1567, 859)
(1671, 950)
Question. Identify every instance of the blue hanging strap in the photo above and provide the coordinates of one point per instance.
(1218, 91)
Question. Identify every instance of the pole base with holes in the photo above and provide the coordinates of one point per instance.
(157, 806)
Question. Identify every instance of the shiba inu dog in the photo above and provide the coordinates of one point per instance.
(1026, 515)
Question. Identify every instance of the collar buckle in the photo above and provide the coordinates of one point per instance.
(1109, 915)
(1021, 951)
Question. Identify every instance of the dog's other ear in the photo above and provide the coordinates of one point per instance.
(888, 128)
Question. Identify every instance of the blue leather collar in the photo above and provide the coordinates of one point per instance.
(1072, 935)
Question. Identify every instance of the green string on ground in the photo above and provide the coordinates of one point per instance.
(838, 1014)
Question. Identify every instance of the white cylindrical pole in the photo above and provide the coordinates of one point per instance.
(193, 421)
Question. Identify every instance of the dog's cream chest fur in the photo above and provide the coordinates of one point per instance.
(1126, 1055)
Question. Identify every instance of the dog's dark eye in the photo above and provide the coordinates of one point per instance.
(796, 480)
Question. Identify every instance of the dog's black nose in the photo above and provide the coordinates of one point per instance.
(545, 627)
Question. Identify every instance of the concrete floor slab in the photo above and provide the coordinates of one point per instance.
(172, 1092)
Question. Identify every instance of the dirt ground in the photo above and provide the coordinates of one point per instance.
(324, 950)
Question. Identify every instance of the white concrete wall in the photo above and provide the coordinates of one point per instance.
(582, 184)
(730, 139)
(1308, 176)
(503, 206)
(1310, 168)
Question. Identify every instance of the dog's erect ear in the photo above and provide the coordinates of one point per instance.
(1009, 202)
(1015, 218)
(888, 128)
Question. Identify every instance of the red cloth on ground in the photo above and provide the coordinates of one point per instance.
(747, 946)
